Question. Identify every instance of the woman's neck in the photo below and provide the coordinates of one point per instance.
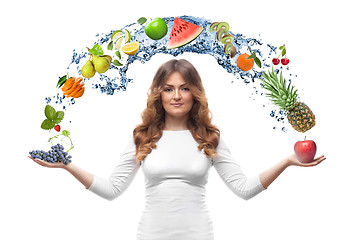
(175, 124)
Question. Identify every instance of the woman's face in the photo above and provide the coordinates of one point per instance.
(176, 96)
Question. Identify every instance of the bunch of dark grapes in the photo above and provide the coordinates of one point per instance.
(56, 154)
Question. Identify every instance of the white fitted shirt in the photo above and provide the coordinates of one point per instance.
(176, 173)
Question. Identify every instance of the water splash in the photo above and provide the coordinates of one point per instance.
(115, 79)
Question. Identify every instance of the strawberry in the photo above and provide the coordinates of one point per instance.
(57, 128)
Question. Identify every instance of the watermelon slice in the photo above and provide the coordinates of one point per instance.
(182, 33)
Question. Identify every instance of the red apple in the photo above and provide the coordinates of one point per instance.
(305, 150)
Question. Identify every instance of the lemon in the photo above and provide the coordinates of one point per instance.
(131, 48)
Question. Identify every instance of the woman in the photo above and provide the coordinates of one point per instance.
(176, 144)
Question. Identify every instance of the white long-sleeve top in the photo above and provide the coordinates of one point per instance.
(176, 173)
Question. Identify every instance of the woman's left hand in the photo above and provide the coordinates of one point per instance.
(293, 161)
(268, 176)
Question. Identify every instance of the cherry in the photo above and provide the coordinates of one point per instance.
(276, 61)
(57, 128)
(285, 61)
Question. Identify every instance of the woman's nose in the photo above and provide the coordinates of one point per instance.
(177, 94)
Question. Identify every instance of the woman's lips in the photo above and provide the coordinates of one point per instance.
(177, 104)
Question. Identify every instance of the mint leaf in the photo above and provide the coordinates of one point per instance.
(50, 112)
(117, 63)
(110, 46)
(117, 53)
(59, 117)
(142, 20)
(96, 50)
(47, 124)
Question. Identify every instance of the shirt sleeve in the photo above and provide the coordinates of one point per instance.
(120, 178)
(230, 172)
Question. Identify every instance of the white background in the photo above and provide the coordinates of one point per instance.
(303, 203)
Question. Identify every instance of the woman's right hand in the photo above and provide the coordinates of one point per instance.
(48, 164)
(84, 177)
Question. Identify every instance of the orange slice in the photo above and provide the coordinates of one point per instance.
(78, 92)
(68, 83)
(74, 86)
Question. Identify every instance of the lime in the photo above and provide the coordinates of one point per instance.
(156, 29)
(116, 34)
(118, 43)
(127, 36)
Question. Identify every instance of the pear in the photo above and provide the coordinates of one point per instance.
(101, 63)
(88, 70)
(108, 57)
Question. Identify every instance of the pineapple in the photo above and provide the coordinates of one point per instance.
(298, 114)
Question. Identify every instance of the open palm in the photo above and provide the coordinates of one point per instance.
(295, 162)
(48, 164)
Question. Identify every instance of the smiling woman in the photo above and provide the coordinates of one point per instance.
(176, 145)
(176, 101)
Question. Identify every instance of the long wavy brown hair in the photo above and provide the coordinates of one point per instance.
(199, 123)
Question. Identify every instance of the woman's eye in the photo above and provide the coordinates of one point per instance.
(182, 89)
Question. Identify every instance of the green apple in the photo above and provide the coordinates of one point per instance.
(156, 29)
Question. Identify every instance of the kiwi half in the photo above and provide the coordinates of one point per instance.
(213, 26)
(223, 25)
(228, 47)
(233, 52)
(221, 33)
(227, 38)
